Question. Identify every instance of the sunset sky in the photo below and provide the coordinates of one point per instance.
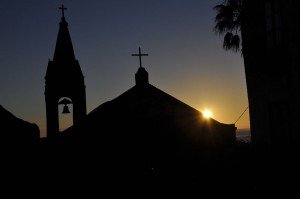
(185, 59)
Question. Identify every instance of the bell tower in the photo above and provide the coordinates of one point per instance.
(64, 81)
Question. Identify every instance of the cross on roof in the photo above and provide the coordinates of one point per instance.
(63, 8)
(140, 56)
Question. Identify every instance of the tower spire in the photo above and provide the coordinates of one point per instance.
(64, 47)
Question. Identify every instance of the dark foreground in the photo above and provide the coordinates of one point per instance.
(59, 170)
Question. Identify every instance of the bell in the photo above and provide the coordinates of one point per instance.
(66, 109)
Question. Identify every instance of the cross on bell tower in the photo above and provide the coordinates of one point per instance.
(63, 8)
(64, 81)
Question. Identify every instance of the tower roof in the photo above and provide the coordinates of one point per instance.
(64, 69)
(64, 48)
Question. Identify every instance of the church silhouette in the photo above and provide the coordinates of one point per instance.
(144, 133)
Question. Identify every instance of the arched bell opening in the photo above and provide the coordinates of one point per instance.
(65, 113)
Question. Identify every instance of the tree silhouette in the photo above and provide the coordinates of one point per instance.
(228, 23)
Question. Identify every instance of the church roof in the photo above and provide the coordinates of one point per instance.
(151, 99)
(64, 65)
(145, 94)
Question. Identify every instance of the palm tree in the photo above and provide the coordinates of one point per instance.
(228, 23)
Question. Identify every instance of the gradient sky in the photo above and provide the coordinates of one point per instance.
(185, 59)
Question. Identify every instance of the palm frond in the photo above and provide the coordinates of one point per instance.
(228, 20)
(226, 14)
(227, 40)
(231, 42)
(219, 7)
(222, 27)
(235, 43)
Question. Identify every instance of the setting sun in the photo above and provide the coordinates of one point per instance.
(207, 114)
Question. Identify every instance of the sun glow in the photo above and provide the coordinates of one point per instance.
(207, 114)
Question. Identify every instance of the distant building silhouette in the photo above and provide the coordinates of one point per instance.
(64, 79)
(271, 54)
(17, 132)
